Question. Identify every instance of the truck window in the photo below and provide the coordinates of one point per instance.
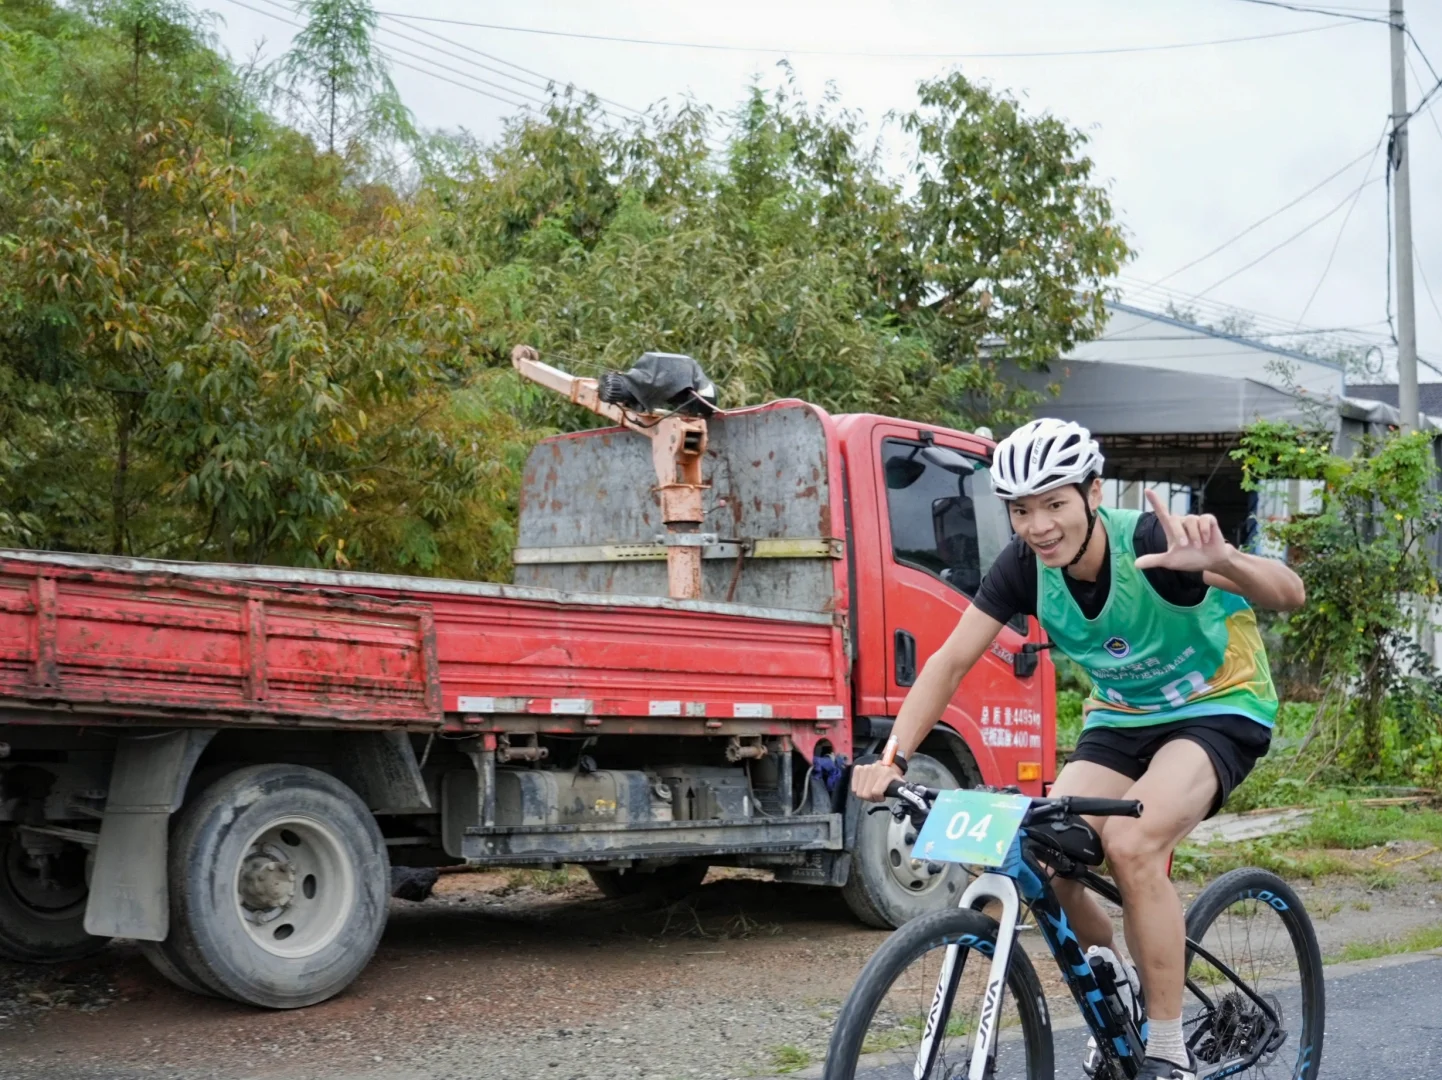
(945, 520)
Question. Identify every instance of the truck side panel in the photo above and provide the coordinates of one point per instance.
(99, 639)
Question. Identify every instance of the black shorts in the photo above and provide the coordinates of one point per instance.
(1234, 743)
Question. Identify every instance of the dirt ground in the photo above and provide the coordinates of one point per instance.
(502, 976)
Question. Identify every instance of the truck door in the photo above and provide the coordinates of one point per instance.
(942, 526)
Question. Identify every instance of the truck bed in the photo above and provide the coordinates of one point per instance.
(100, 639)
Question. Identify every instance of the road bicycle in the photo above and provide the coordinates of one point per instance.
(1255, 999)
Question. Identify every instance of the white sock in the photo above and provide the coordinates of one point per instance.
(1164, 1040)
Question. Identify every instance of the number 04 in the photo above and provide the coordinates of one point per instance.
(961, 825)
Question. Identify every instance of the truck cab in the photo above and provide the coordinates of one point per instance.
(932, 527)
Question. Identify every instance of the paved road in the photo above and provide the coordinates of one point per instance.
(1384, 1022)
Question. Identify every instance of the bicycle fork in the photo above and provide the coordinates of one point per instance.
(982, 889)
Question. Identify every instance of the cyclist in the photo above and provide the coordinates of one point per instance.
(1157, 610)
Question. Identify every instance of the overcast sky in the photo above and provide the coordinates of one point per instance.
(1195, 144)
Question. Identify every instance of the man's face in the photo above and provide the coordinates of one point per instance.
(1054, 523)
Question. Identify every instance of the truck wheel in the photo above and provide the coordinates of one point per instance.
(664, 884)
(887, 887)
(279, 883)
(42, 914)
(163, 958)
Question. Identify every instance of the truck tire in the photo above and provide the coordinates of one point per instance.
(279, 884)
(43, 922)
(664, 884)
(163, 958)
(886, 886)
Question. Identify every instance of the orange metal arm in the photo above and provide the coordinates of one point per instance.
(677, 444)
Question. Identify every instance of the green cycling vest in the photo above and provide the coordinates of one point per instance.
(1150, 661)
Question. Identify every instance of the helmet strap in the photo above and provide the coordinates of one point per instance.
(1091, 526)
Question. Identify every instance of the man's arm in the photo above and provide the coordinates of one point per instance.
(1264, 582)
(1195, 543)
(927, 700)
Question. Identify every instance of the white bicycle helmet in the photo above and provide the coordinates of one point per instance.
(1043, 455)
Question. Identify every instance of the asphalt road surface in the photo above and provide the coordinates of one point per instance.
(1384, 1022)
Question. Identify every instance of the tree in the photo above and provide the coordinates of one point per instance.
(335, 83)
(789, 263)
(1366, 561)
(219, 346)
(1009, 237)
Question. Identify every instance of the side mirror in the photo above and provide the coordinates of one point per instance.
(901, 472)
(1025, 662)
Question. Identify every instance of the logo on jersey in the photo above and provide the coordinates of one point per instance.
(1118, 647)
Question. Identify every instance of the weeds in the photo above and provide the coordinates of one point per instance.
(542, 881)
(1428, 937)
(789, 1058)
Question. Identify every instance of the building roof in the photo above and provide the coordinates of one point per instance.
(1147, 339)
(1429, 395)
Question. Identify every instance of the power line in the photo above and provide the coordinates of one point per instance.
(399, 63)
(1258, 324)
(1126, 337)
(1422, 88)
(1278, 247)
(716, 47)
(1371, 152)
(1338, 241)
(506, 88)
(1417, 261)
(499, 60)
(1335, 12)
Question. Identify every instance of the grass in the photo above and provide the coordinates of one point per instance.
(1308, 852)
(1343, 825)
(544, 881)
(907, 1033)
(789, 1058)
(1428, 937)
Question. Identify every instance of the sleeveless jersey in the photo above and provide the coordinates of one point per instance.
(1150, 661)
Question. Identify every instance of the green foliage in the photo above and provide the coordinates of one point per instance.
(222, 337)
(215, 347)
(1365, 561)
(790, 265)
(1344, 825)
(336, 87)
(1069, 716)
(1309, 851)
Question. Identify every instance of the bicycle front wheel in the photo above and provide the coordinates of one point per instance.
(879, 1031)
(1253, 922)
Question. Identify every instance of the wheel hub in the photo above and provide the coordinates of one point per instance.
(912, 874)
(1239, 1027)
(267, 882)
(294, 887)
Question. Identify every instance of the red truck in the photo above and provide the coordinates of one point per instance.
(224, 762)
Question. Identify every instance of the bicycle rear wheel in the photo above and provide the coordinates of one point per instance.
(1254, 923)
(878, 1032)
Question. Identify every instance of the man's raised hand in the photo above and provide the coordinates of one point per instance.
(1194, 541)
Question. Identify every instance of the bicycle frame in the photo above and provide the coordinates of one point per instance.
(1021, 879)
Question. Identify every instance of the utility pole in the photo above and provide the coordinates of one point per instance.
(1407, 403)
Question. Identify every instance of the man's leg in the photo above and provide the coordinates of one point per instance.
(1089, 920)
(1176, 793)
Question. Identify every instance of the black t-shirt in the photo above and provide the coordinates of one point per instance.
(1009, 587)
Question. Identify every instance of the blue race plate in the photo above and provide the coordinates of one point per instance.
(975, 827)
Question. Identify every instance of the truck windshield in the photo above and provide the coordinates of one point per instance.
(945, 518)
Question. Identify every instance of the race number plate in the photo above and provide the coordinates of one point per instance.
(975, 827)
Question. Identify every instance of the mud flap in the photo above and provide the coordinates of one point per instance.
(129, 894)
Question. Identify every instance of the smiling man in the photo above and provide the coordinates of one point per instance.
(1158, 610)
